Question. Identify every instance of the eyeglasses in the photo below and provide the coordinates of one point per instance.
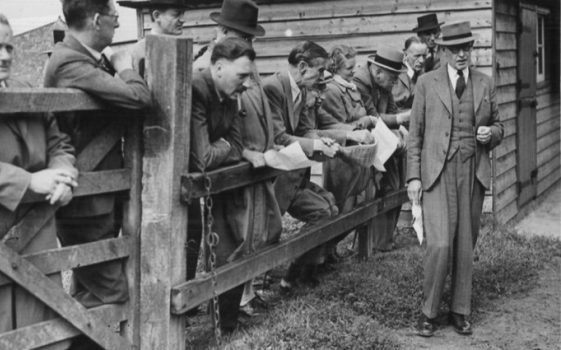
(115, 16)
(456, 48)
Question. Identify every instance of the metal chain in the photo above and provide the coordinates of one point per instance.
(211, 240)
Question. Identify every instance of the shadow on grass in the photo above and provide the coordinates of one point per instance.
(357, 306)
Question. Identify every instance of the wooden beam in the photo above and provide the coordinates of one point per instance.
(61, 259)
(99, 147)
(186, 295)
(57, 330)
(223, 179)
(164, 219)
(38, 100)
(29, 277)
(25, 230)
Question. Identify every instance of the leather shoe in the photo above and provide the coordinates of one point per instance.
(461, 326)
(426, 326)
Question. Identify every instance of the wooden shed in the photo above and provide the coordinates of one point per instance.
(518, 46)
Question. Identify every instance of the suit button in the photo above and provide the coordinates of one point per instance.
(446, 134)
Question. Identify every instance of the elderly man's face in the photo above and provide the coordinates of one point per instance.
(384, 78)
(415, 56)
(458, 56)
(232, 77)
(170, 21)
(6, 51)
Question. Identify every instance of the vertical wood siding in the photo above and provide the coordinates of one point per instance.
(549, 132)
(505, 74)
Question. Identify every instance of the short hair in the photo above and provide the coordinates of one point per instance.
(76, 12)
(306, 51)
(338, 55)
(410, 41)
(231, 49)
(4, 20)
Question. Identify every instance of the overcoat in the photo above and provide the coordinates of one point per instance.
(431, 126)
(28, 144)
(403, 91)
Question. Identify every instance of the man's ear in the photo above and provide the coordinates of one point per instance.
(95, 21)
(302, 66)
(156, 14)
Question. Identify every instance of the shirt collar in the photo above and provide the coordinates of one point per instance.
(293, 87)
(96, 54)
(3, 84)
(410, 71)
(453, 74)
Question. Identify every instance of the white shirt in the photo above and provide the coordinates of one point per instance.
(410, 71)
(453, 75)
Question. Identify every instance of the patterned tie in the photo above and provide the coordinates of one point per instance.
(460, 84)
(106, 65)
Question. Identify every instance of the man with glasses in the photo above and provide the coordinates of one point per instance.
(455, 125)
(167, 18)
(375, 82)
(414, 58)
(78, 62)
(428, 30)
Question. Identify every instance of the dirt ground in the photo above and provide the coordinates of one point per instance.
(531, 321)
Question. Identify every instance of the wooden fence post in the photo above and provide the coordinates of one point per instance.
(164, 218)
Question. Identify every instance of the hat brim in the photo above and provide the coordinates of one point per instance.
(402, 69)
(465, 40)
(257, 31)
(149, 5)
(423, 29)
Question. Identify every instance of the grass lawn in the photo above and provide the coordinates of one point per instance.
(362, 305)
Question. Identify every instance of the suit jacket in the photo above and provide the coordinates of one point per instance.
(215, 126)
(431, 126)
(377, 101)
(72, 66)
(403, 91)
(289, 128)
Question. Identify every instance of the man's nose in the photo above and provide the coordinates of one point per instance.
(4, 54)
(246, 83)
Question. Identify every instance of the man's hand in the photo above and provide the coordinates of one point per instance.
(326, 147)
(367, 122)
(403, 117)
(414, 191)
(62, 195)
(121, 60)
(257, 159)
(483, 135)
(46, 181)
(361, 136)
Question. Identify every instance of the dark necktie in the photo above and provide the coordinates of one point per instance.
(460, 84)
(106, 65)
(414, 77)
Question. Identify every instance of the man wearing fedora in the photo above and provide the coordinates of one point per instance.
(167, 19)
(375, 82)
(454, 125)
(237, 18)
(428, 30)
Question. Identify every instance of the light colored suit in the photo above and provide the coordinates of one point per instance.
(454, 170)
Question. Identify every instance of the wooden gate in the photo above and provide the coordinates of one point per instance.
(527, 144)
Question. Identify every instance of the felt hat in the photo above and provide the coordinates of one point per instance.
(240, 15)
(155, 4)
(388, 58)
(456, 34)
(427, 22)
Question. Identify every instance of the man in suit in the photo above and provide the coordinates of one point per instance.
(455, 125)
(428, 30)
(414, 56)
(167, 19)
(36, 162)
(77, 62)
(216, 140)
(287, 95)
(375, 82)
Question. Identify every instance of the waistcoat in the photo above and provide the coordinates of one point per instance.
(463, 124)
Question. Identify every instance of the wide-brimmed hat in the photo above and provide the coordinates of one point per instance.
(388, 58)
(456, 34)
(240, 15)
(155, 4)
(427, 22)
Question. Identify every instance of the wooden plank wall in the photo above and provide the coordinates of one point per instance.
(364, 24)
(549, 132)
(505, 74)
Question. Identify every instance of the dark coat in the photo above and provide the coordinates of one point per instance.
(28, 144)
(72, 66)
(431, 126)
(403, 91)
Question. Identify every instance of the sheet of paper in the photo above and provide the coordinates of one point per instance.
(387, 143)
(417, 214)
(289, 158)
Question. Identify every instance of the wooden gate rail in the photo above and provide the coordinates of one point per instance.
(192, 293)
(102, 324)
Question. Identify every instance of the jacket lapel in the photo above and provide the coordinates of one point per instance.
(17, 125)
(478, 89)
(287, 90)
(442, 87)
(74, 44)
